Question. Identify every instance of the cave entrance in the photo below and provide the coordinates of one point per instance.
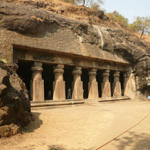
(68, 78)
(25, 73)
(48, 77)
(111, 80)
(85, 79)
(99, 79)
(122, 83)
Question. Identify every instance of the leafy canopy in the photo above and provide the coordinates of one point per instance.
(118, 18)
(142, 25)
(94, 4)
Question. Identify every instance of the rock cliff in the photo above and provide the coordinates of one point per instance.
(35, 19)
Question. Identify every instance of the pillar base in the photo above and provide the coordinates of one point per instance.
(93, 90)
(59, 90)
(117, 89)
(77, 90)
(117, 85)
(106, 90)
(37, 90)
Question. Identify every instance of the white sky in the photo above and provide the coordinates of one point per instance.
(128, 8)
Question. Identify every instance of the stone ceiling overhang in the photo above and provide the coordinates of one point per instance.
(54, 57)
(111, 58)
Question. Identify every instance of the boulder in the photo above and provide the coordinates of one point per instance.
(15, 111)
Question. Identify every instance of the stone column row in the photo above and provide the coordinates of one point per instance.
(106, 86)
(37, 84)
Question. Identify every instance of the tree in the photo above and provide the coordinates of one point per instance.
(69, 1)
(95, 4)
(142, 25)
(118, 18)
(89, 3)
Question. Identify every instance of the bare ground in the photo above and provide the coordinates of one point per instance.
(85, 127)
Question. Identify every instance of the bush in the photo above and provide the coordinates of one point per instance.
(118, 18)
(69, 1)
(95, 6)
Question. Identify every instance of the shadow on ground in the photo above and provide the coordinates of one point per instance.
(136, 141)
(34, 124)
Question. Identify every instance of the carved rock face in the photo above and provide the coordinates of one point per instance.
(73, 35)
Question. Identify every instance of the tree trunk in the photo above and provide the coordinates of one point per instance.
(83, 2)
(142, 34)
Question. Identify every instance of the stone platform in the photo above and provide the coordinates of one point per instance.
(74, 102)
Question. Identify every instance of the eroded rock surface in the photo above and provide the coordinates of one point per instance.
(14, 103)
(36, 20)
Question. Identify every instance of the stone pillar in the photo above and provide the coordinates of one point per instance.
(59, 83)
(106, 89)
(116, 85)
(37, 84)
(77, 84)
(126, 78)
(93, 85)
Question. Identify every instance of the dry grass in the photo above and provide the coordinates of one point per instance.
(80, 13)
(145, 38)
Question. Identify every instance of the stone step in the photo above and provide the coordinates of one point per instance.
(52, 103)
(56, 103)
(106, 99)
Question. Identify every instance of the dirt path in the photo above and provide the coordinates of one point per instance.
(83, 127)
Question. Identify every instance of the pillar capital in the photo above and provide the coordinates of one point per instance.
(37, 71)
(92, 75)
(126, 74)
(92, 71)
(59, 69)
(106, 73)
(116, 73)
(77, 70)
(59, 66)
(37, 68)
(37, 63)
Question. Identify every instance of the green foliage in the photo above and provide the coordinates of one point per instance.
(142, 25)
(69, 1)
(3, 60)
(118, 18)
(95, 6)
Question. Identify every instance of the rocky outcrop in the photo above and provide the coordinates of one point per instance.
(66, 9)
(28, 19)
(14, 103)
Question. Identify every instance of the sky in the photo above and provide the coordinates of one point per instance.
(128, 8)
